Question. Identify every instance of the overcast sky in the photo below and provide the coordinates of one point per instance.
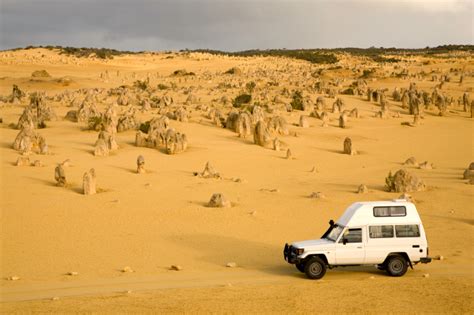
(233, 25)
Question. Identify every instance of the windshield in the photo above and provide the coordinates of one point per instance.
(336, 230)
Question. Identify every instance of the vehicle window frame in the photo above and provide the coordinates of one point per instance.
(381, 237)
(341, 237)
(415, 224)
(390, 212)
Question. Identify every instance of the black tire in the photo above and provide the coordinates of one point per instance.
(315, 268)
(396, 265)
(300, 267)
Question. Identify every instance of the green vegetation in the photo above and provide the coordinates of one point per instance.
(368, 73)
(311, 55)
(84, 52)
(250, 87)
(142, 85)
(144, 127)
(95, 123)
(317, 56)
(233, 70)
(182, 72)
(162, 86)
(297, 100)
(40, 74)
(242, 99)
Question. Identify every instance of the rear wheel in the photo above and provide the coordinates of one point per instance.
(315, 268)
(396, 265)
(300, 267)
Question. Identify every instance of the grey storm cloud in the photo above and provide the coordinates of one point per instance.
(235, 24)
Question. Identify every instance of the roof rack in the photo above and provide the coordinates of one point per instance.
(399, 200)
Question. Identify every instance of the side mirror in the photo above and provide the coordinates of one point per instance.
(344, 241)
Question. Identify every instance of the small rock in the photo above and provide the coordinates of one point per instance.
(407, 197)
(37, 163)
(23, 161)
(55, 298)
(371, 277)
(426, 165)
(67, 163)
(317, 195)
(411, 161)
(218, 200)
(362, 189)
(128, 292)
(438, 257)
(231, 265)
(72, 273)
(127, 269)
(13, 278)
(426, 275)
(176, 267)
(254, 213)
(289, 155)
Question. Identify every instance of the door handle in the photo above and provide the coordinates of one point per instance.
(359, 246)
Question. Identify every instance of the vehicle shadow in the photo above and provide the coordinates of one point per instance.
(252, 255)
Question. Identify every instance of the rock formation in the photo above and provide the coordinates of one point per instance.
(60, 176)
(89, 182)
(140, 164)
(218, 200)
(404, 181)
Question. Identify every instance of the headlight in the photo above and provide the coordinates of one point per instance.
(300, 251)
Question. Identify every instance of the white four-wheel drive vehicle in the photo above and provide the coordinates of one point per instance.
(388, 234)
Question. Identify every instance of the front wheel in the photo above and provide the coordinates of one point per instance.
(300, 267)
(315, 268)
(396, 266)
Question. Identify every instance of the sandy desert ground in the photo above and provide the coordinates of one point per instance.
(148, 222)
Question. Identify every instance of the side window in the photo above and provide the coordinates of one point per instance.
(411, 230)
(396, 211)
(352, 236)
(381, 231)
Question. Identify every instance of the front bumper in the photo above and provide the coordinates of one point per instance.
(290, 254)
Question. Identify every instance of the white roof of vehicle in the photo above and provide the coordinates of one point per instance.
(361, 213)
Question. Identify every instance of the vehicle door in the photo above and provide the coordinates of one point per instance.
(350, 249)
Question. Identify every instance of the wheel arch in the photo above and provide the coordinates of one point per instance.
(320, 255)
(403, 254)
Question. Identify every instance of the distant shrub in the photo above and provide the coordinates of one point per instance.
(40, 74)
(234, 70)
(182, 72)
(162, 86)
(297, 100)
(142, 85)
(250, 87)
(242, 99)
(367, 73)
(95, 123)
(144, 127)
